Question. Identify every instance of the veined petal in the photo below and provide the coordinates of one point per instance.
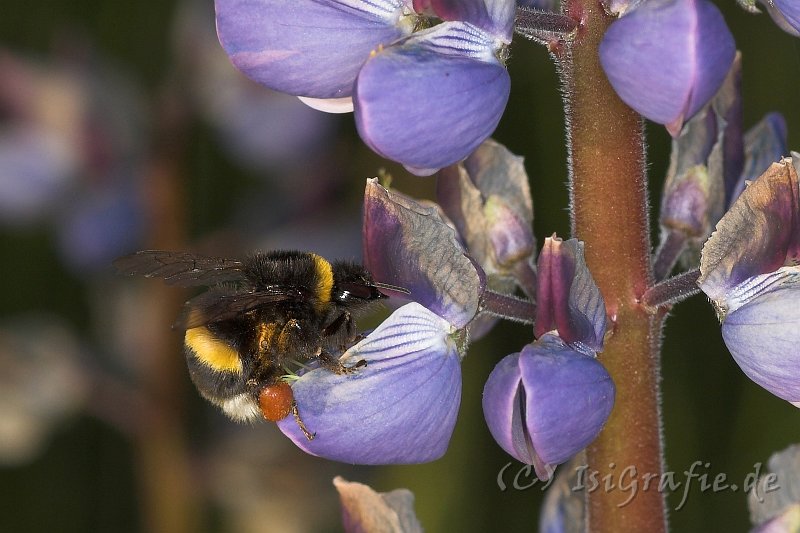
(759, 234)
(568, 298)
(763, 333)
(496, 17)
(308, 48)
(431, 100)
(409, 245)
(667, 58)
(399, 409)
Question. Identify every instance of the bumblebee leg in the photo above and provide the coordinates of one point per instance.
(334, 365)
(303, 428)
(292, 327)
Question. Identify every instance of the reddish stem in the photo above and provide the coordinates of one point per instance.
(608, 189)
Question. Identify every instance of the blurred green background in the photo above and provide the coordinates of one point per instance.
(118, 440)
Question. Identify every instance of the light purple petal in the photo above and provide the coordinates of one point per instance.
(502, 408)
(773, 500)
(410, 245)
(488, 199)
(363, 509)
(759, 234)
(306, 47)
(432, 100)
(568, 398)
(546, 403)
(496, 17)
(569, 301)
(790, 9)
(399, 409)
(763, 334)
(764, 144)
(667, 58)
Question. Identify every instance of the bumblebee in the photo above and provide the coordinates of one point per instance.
(258, 317)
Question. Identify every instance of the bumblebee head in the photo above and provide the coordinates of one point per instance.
(353, 285)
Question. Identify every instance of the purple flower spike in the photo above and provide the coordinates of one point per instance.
(308, 48)
(398, 409)
(667, 58)
(758, 235)
(432, 99)
(762, 331)
(546, 403)
(568, 298)
(409, 245)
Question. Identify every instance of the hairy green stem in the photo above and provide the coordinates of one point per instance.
(608, 192)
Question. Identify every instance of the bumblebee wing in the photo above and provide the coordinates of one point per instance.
(180, 268)
(218, 305)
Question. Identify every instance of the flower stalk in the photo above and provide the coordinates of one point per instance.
(609, 213)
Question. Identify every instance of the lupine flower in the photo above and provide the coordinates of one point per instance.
(705, 163)
(547, 402)
(764, 144)
(749, 270)
(426, 100)
(432, 98)
(487, 197)
(307, 47)
(785, 13)
(411, 246)
(667, 58)
(400, 408)
(774, 501)
(363, 509)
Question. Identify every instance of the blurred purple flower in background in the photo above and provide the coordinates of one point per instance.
(667, 58)
(71, 150)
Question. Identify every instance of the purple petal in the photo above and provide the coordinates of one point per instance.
(569, 301)
(774, 506)
(548, 402)
(409, 245)
(306, 47)
(759, 234)
(432, 100)
(399, 409)
(790, 11)
(488, 199)
(764, 144)
(503, 403)
(667, 58)
(496, 17)
(568, 398)
(727, 105)
(763, 333)
(363, 509)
